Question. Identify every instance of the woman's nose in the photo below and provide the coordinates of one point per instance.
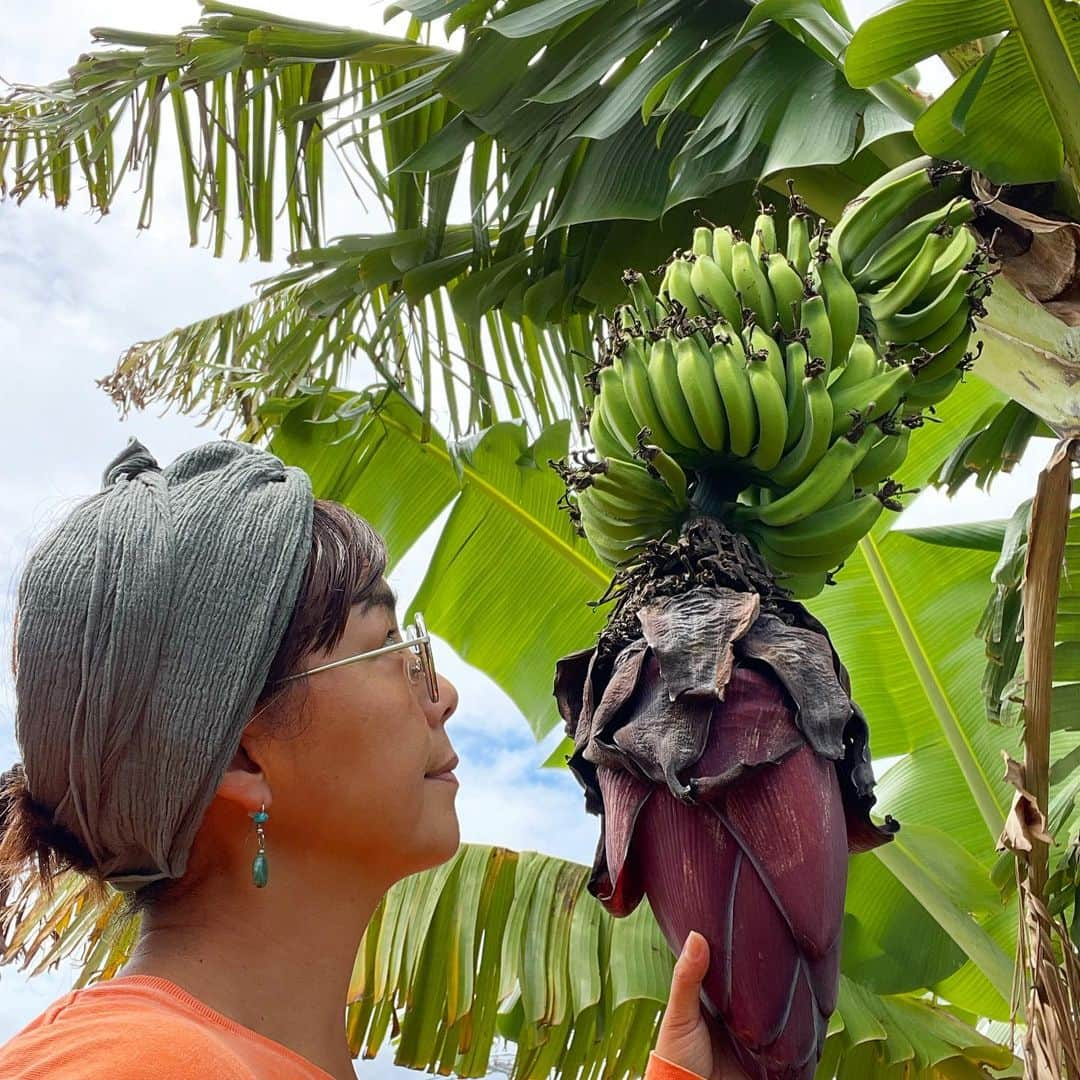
(440, 711)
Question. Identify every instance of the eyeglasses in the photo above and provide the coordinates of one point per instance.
(422, 665)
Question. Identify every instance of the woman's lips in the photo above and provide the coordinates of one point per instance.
(446, 778)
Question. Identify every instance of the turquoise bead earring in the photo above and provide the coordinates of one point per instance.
(260, 869)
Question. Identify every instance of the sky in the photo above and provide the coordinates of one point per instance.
(76, 290)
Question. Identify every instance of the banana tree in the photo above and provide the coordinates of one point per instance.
(596, 155)
(932, 887)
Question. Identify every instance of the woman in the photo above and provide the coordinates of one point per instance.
(208, 667)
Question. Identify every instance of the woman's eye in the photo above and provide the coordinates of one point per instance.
(392, 635)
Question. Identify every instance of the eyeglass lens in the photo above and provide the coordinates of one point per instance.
(422, 651)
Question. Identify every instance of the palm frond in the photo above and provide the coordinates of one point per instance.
(367, 308)
(589, 138)
(248, 95)
(502, 944)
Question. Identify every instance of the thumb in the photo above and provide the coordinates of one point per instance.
(683, 1002)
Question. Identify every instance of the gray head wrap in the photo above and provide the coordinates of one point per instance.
(147, 624)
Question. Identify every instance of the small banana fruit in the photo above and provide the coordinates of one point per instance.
(667, 395)
(824, 480)
(751, 284)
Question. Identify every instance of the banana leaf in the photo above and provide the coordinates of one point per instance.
(502, 944)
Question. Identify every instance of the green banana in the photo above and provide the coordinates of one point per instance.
(863, 363)
(664, 384)
(814, 439)
(618, 527)
(842, 304)
(983, 456)
(758, 340)
(798, 241)
(751, 284)
(612, 550)
(800, 564)
(618, 416)
(795, 361)
(763, 240)
(626, 318)
(841, 498)
(606, 444)
(805, 586)
(824, 480)
(634, 372)
(955, 257)
(632, 482)
(942, 362)
(787, 289)
(948, 332)
(898, 295)
(889, 261)
(771, 415)
(729, 373)
(917, 325)
(870, 399)
(695, 373)
(702, 241)
(883, 458)
(814, 319)
(608, 551)
(723, 240)
(642, 296)
(665, 468)
(628, 504)
(1016, 442)
(923, 395)
(711, 284)
(679, 287)
(878, 205)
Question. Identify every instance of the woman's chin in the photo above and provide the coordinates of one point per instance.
(444, 843)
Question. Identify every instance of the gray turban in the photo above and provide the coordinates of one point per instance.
(147, 624)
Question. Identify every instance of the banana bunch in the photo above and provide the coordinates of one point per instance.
(919, 272)
(777, 388)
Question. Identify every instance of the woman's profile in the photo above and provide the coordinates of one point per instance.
(220, 717)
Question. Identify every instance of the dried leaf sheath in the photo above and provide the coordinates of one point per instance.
(731, 772)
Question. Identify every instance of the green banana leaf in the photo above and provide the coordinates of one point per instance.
(504, 521)
(1013, 113)
(1005, 619)
(497, 943)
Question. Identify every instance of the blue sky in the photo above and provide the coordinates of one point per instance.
(77, 290)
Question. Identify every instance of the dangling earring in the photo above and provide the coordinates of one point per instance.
(260, 869)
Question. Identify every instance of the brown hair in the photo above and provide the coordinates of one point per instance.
(345, 564)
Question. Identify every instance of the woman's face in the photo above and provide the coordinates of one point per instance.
(356, 784)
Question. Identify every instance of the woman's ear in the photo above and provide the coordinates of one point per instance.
(244, 781)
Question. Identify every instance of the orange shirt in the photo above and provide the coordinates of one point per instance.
(141, 1027)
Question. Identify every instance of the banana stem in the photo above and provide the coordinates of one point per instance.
(1042, 580)
(1032, 356)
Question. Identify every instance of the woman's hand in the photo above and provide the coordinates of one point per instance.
(688, 1036)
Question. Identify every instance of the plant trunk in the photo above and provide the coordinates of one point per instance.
(1051, 1024)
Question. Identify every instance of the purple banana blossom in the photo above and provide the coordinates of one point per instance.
(730, 768)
